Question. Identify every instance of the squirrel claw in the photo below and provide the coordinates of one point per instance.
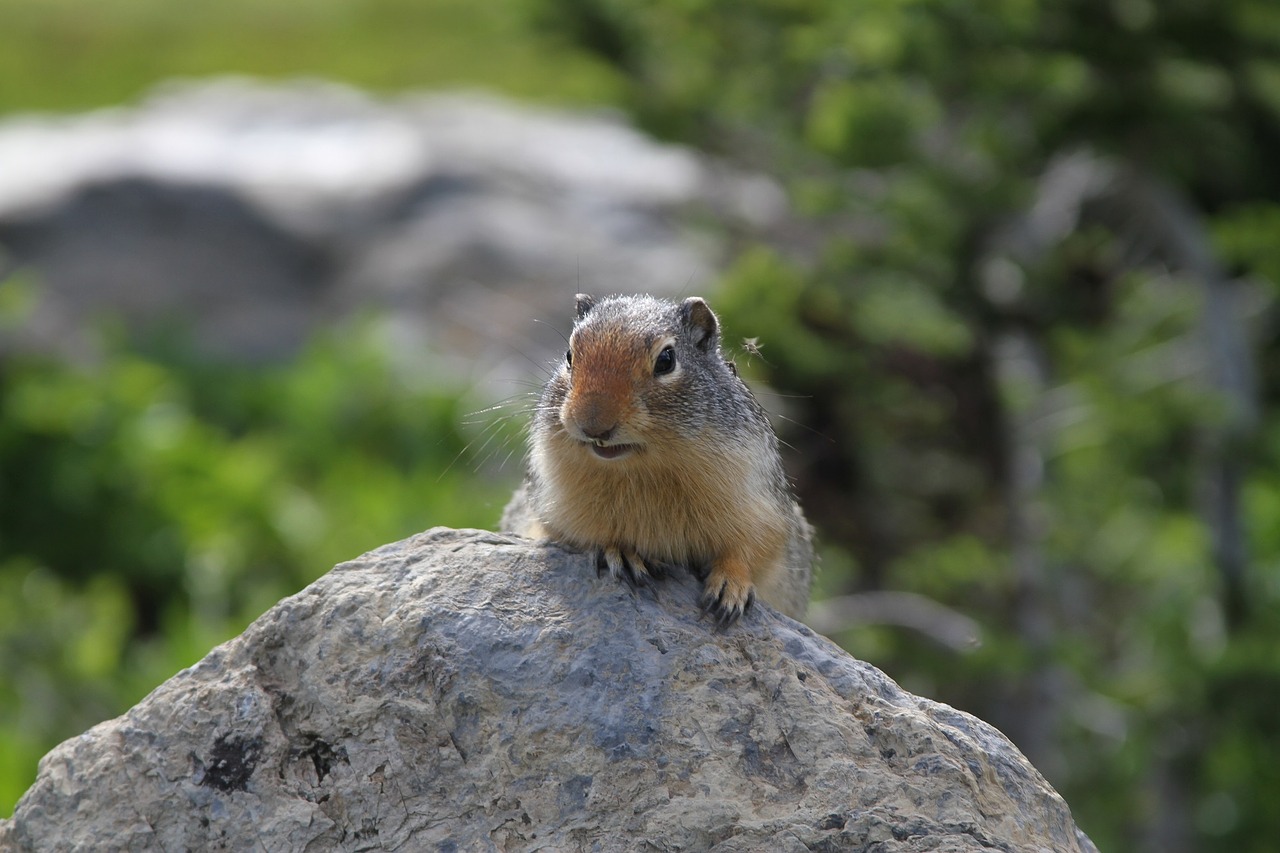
(625, 566)
(725, 608)
(658, 570)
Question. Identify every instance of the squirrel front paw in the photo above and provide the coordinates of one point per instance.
(626, 566)
(727, 594)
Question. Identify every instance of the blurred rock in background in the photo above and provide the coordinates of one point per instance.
(234, 218)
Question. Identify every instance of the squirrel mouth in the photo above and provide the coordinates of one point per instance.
(611, 451)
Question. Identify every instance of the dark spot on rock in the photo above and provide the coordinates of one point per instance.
(832, 821)
(323, 755)
(573, 793)
(773, 762)
(231, 762)
(580, 678)
(368, 829)
(931, 765)
(802, 675)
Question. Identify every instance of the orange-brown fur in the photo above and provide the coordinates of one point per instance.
(693, 489)
(614, 501)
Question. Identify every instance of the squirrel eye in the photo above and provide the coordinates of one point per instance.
(568, 357)
(666, 361)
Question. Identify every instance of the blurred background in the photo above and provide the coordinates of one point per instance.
(277, 279)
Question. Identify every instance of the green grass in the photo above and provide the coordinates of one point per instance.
(72, 54)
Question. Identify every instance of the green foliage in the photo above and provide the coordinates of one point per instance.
(869, 122)
(1246, 236)
(149, 510)
(1051, 438)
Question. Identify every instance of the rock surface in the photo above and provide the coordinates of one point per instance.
(463, 690)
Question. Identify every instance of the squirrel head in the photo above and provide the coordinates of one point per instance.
(638, 371)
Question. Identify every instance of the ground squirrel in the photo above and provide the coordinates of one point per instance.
(647, 448)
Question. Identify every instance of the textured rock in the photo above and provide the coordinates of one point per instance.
(464, 690)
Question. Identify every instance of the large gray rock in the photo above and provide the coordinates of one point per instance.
(464, 690)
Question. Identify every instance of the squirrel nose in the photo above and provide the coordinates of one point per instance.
(591, 417)
(599, 434)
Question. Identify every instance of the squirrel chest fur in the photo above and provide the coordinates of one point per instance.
(647, 448)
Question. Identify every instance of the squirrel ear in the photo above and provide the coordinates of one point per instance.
(585, 304)
(700, 319)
